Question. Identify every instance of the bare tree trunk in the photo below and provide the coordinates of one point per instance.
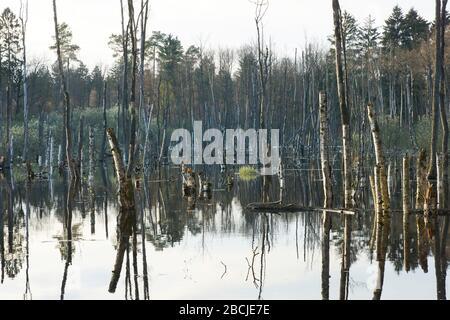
(379, 212)
(8, 161)
(343, 104)
(445, 178)
(422, 238)
(80, 145)
(125, 93)
(406, 211)
(132, 145)
(91, 157)
(328, 193)
(127, 212)
(381, 164)
(144, 19)
(375, 204)
(432, 170)
(105, 125)
(324, 154)
(72, 167)
(24, 21)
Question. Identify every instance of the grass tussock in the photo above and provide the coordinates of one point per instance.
(248, 173)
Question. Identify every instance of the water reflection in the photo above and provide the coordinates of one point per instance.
(58, 240)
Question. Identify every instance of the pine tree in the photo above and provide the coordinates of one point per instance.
(416, 29)
(368, 37)
(69, 50)
(10, 35)
(393, 32)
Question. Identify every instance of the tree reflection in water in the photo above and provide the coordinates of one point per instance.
(164, 222)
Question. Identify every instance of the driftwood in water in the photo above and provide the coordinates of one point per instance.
(293, 208)
(127, 212)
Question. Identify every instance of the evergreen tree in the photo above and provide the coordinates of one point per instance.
(10, 35)
(368, 37)
(393, 33)
(350, 30)
(69, 50)
(416, 29)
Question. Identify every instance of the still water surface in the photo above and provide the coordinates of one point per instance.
(211, 249)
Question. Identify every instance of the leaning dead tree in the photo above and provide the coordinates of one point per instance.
(71, 164)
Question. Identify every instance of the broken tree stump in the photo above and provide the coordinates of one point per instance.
(127, 211)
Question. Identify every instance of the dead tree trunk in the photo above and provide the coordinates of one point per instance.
(324, 154)
(431, 196)
(406, 211)
(91, 158)
(343, 104)
(132, 145)
(72, 167)
(144, 19)
(422, 238)
(80, 146)
(379, 213)
(375, 204)
(445, 162)
(105, 125)
(24, 21)
(328, 194)
(125, 93)
(127, 212)
(381, 164)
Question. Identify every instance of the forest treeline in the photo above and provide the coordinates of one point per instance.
(390, 65)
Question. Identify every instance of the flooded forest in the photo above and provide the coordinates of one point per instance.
(93, 206)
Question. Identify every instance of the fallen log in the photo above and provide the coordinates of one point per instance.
(293, 208)
(276, 207)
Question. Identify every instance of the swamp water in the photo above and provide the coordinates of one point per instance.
(207, 249)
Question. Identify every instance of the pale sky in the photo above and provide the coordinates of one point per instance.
(213, 23)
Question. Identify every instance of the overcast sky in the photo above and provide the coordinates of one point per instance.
(213, 23)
